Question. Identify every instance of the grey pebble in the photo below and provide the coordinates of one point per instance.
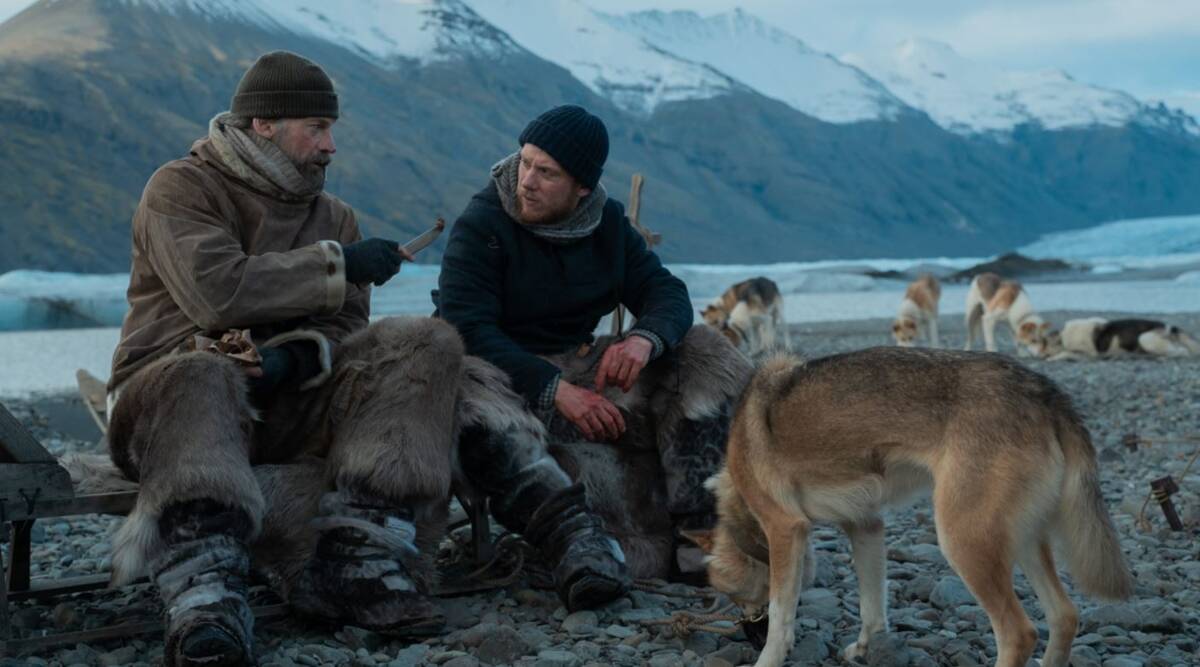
(556, 658)
(581, 622)
(950, 592)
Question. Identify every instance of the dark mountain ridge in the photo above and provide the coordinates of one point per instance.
(97, 94)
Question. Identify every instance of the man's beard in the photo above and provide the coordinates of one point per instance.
(550, 217)
(313, 172)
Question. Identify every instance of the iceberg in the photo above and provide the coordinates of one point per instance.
(47, 300)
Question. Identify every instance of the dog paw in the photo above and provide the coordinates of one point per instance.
(856, 650)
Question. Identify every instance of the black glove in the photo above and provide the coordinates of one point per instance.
(289, 364)
(372, 261)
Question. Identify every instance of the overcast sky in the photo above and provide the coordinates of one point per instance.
(1147, 47)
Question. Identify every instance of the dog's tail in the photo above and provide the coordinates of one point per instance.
(771, 382)
(1089, 539)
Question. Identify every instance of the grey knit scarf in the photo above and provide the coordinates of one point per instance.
(581, 223)
(259, 162)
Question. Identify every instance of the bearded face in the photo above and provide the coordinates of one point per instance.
(308, 142)
(546, 193)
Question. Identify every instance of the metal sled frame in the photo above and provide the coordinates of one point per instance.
(34, 486)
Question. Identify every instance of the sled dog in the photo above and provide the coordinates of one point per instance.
(750, 315)
(990, 300)
(839, 439)
(1094, 337)
(918, 312)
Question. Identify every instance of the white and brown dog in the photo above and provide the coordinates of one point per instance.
(990, 300)
(840, 439)
(918, 312)
(750, 315)
(1095, 337)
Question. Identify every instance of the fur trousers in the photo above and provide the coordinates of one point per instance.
(382, 426)
(387, 423)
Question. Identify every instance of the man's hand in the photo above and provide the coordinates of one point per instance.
(373, 261)
(623, 362)
(277, 366)
(593, 414)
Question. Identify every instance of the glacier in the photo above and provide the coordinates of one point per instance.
(49, 300)
(44, 300)
(1142, 243)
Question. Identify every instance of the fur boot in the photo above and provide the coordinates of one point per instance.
(625, 487)
(589, 566)
(201, 575)
(367, 570)
(502, 452)
(694, 403)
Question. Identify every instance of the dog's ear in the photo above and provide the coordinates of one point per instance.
(895, 327)
(701, 538)
(1045, 327)
(1028, 328)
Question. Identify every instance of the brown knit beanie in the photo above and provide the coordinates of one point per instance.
(284, 85)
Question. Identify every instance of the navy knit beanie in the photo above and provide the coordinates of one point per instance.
(574, 138)
(284, 85)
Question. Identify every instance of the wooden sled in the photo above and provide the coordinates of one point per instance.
(34, 486)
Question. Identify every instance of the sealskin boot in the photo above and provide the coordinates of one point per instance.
(589, 566)
(201, 576)
(365, 570)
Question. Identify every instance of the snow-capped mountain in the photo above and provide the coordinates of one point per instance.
(766, 59)
(637, 76)
(1187, 101)
(642, 60)
(381, 30)
(969, 97)
(757, 148)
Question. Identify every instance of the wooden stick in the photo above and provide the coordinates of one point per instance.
(635, 207)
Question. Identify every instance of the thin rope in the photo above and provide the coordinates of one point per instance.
(1142, 522)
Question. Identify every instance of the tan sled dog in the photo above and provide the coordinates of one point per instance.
(990, 300)
(918, 312)
(841, 438)
(750, 315)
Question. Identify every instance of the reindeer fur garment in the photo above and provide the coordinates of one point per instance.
(384, 425)
(658, 467)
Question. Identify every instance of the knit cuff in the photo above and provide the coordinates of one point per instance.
(545, 402)
(655, 340)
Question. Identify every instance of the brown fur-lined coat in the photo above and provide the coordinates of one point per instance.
(210, 254)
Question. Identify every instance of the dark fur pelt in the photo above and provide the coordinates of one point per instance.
(678, 412)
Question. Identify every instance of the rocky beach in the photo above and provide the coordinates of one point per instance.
(934, 619)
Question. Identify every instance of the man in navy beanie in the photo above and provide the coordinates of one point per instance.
(532, 265)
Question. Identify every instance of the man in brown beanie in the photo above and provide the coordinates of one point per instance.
(538, 257)
(264, 419)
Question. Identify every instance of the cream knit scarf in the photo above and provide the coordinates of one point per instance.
(259, 162)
